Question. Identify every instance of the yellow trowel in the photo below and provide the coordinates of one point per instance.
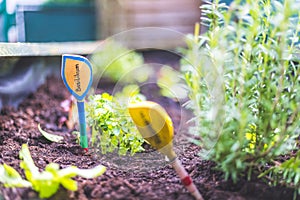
(156, 127)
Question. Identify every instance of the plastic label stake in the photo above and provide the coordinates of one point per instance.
(155, 125)
(76, 73)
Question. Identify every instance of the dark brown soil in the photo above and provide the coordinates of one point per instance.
(145, 176)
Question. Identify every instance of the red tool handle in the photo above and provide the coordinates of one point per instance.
(186, 179)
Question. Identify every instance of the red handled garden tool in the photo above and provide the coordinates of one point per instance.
(156, 127)
(76, 72)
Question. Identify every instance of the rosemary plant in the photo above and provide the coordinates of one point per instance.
(243, 80)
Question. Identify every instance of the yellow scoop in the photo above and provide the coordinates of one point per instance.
(156, 127)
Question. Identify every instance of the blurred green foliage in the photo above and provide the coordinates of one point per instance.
(119, 63)
(171, 83)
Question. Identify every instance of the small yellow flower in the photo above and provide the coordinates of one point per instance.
(249, 136)
(107, 96)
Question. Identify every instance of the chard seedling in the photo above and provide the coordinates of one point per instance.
(11, 178)
(156, 127)
(47, 182)
(76, 72)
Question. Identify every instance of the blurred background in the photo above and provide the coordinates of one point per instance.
(35, 33)
(90, 20)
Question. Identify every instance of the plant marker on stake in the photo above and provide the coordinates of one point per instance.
(156, 127)
(76, 72)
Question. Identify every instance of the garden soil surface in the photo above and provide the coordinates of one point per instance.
(143, 176)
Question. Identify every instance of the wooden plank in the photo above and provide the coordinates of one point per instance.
(113, 17)
(124, 15)
(162, 44)
(164, 19)
(160, 34)
(162, 38)
(47, 49)
(154, 6)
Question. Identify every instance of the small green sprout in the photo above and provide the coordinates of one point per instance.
(77, 135)
(112, 127)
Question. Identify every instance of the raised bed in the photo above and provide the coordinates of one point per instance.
(130, 181)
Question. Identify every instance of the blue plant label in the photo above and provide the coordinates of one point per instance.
(76, 72)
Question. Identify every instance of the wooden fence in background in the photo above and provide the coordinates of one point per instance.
(168, 18)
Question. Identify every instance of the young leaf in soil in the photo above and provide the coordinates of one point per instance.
(47, 182)
(11, 178)
(50, 137)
